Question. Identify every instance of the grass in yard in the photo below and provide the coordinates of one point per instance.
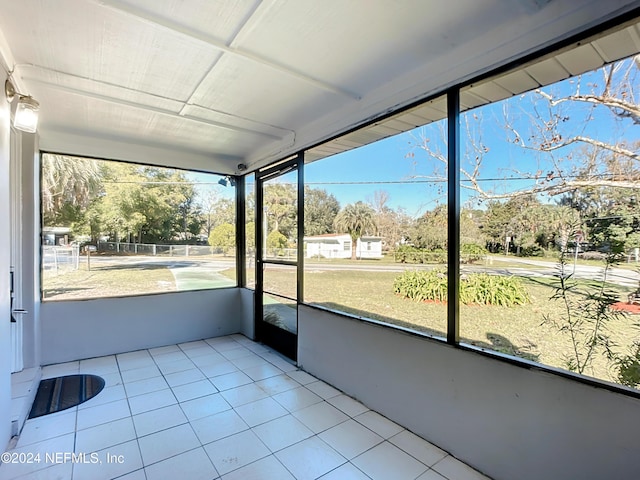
(517, 331)
(104, 281)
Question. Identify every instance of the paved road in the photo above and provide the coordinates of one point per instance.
(193, 271)
(189, 273)
(531, 267)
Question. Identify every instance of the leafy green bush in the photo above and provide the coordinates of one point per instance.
(472, 252)
(410, 254)
(480, 288)
(469, 253)
(276, 240)
(629, 367)
(223, 237)
(531, 250)
(421, 285)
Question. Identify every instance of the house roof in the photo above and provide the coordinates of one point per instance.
(337, 236)
(56, 230)
(212, 85)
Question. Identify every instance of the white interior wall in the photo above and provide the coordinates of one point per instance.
(246, 313)
(507, 421)
(5, 342)
(73, 330)
(30, 249)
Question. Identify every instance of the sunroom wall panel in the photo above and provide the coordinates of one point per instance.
(75, 330)
(505, 420)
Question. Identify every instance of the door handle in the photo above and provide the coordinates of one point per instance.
(17, 311)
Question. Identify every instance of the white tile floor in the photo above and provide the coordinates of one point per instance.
(219, 408)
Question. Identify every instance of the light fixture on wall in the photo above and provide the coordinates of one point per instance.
(26, 116)
(226, 181)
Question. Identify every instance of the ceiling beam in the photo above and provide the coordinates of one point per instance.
(90, 144)
(260, 128)
(158, 21)
(158, 110)
(239, 28)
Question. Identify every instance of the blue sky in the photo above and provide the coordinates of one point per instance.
(385, 165)
(386, 161)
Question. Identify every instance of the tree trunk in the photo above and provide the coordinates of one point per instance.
(354, 242)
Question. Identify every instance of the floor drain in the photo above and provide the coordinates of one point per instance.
(59, 393)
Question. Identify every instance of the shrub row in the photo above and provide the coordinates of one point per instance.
(409, 254)
(480, 288)
(469, 253)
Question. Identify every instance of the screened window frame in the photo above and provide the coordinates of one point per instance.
(238, 196)
(454, 110)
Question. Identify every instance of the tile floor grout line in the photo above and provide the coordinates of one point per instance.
(134, 424)
(75, 436)
(189, 420)
(168, 428)
(340, 466)
(290, 395)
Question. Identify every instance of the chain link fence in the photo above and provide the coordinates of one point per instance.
(155, 249)
(60, 259)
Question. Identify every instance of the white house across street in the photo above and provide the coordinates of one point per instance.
(336, 245)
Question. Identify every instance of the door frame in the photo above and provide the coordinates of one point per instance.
(281, 340)
(16, 247)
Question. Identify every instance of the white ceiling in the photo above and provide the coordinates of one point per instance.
(210, 84)
(592, 53)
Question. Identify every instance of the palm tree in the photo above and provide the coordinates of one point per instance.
(565, 221)
(356, 219)
(68, 180)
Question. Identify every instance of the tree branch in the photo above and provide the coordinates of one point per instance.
(596, 143)
(629, 109)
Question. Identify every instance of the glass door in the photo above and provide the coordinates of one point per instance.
(277, 239)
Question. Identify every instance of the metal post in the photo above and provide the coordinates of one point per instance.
(260, 252)
(300, 252)
(241, 221)
(453, 212)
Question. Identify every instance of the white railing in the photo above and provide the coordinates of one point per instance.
(58, 259)
(290, 254)
(155, 249)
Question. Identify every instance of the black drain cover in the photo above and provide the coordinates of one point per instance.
(59, 393)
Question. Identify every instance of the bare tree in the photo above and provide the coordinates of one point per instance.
(392, 225)
(553, 124)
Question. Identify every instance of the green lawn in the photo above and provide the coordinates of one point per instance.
(107, 281)
(516, 331)
(512, 330)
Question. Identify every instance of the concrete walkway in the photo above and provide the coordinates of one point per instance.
(198, 277)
